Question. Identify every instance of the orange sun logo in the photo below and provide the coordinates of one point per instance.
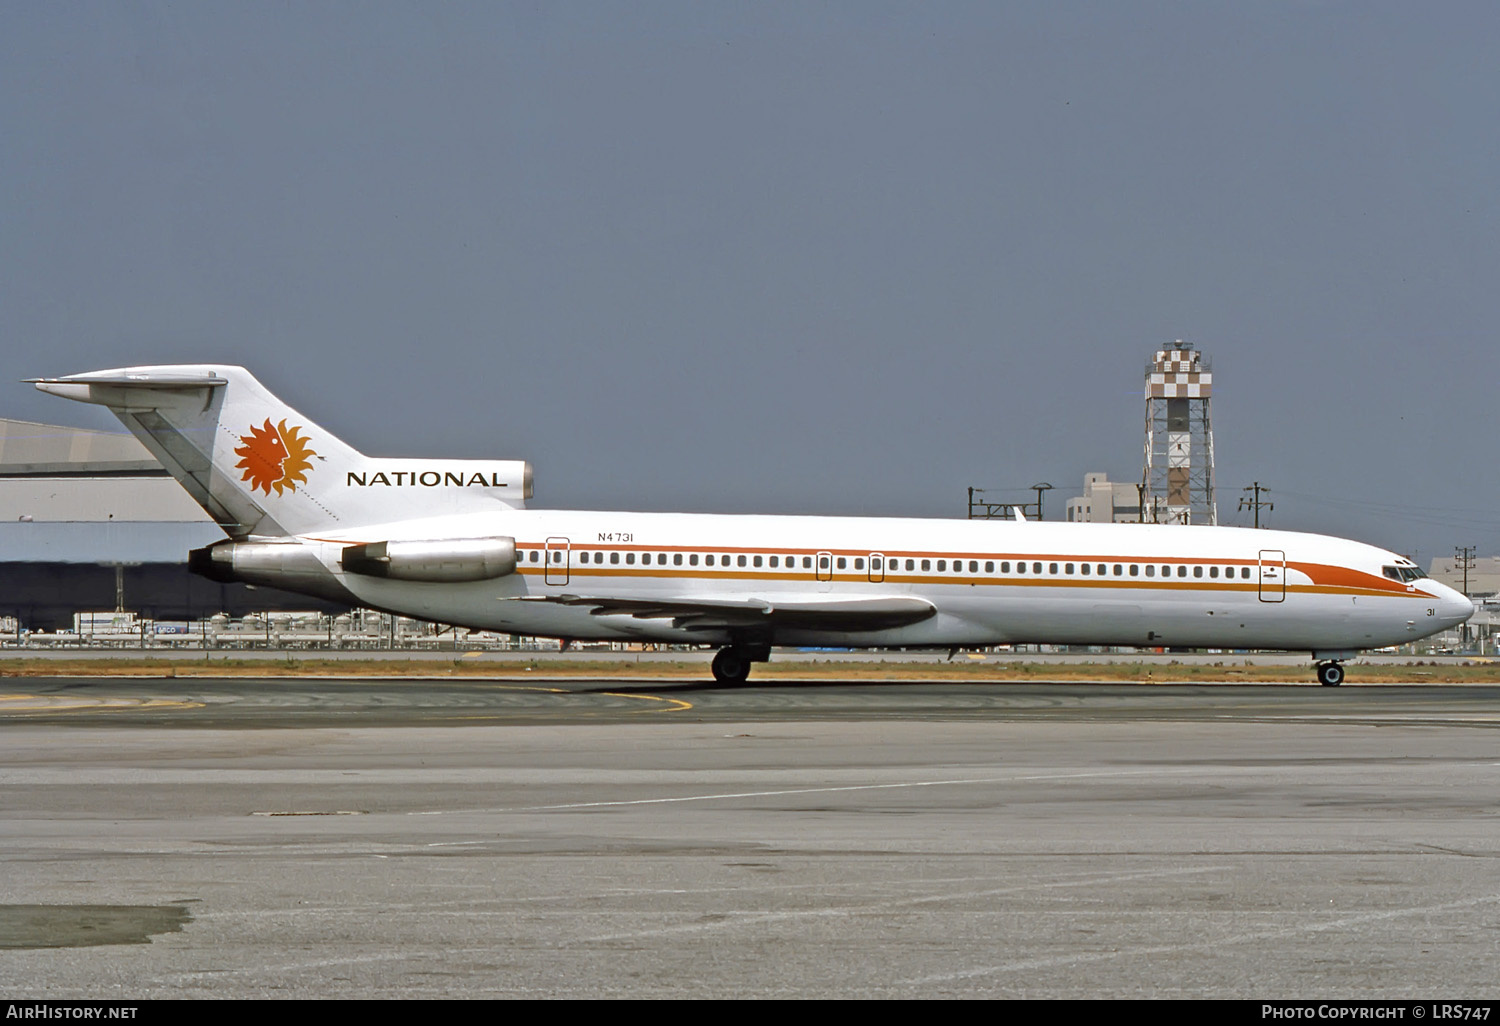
(274, 457)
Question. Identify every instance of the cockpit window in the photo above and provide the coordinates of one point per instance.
(1403, 573)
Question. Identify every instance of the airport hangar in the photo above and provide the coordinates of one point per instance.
(90, 521)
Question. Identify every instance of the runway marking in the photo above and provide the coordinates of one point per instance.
(863, 908)
(17, 703)
(848, 787)
(681, 706)
(1208, 945)
(677, 704)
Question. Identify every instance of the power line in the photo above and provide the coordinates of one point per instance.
(1454, 517)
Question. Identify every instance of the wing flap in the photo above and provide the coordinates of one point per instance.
(837, 614)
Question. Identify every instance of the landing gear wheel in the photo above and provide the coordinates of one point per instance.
(731, 666)
(1330, 675)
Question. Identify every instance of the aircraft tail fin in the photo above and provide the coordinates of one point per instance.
(258, 467)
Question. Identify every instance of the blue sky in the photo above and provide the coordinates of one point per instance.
(828, 258)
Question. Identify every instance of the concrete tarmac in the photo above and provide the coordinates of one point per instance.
(264, 838)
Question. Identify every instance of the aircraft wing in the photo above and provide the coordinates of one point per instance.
(853, 614)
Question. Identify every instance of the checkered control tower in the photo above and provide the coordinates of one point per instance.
(1177, 486)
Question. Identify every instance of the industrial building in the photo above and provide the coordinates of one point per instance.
(1105, 502)
(90, 521)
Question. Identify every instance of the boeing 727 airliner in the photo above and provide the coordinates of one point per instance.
(452, 541)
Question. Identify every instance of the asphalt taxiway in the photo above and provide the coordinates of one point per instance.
(381, 838)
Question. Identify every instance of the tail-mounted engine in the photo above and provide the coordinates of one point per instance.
(448, 560)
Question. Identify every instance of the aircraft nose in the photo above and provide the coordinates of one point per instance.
(1454, 607)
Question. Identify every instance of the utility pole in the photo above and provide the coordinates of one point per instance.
(1463, 559)
(1039, 489)
(1255, 502)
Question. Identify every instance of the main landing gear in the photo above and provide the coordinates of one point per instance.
(732, 664)
(1330, 674)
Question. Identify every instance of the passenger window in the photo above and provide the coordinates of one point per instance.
(1150, 570)
(1085, 568)
(1020, 568)
(807, 562)
(1197, 571)
(841, 564)
(775, 562)
(859, 563)
(630, 558)
(693, 559)
(676, 559)
(1166, 571)
(1182, 571)
(1036, 568)
(1101, 570)
(1119, 570)
(822, 562)
(756, 561)
(1245, 572)
(533, 555)
(911, 564)
(741, 561)
(1052, 569)
(942, 565)
(1213, 571)
(989, 566)
(1135, 571)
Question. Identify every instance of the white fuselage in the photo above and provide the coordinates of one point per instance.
(452, 541)
(991, 582)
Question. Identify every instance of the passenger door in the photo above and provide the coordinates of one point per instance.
(1272, 575)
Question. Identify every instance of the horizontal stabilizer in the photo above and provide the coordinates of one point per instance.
(126, 379)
